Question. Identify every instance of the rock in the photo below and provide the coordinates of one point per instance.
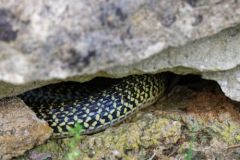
(216, 58)
(39, 156)
(61, 39)
(20, 129)
(44, 42)
(229, 80)
(198, 122)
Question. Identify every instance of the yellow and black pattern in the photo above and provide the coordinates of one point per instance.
(94, 107)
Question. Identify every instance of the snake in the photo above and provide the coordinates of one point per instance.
(94, 105)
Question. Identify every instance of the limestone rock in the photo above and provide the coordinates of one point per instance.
(45, 40)
(20, 129)
(216, 57)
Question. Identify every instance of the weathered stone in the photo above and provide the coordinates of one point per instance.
(229, 80)
(51, 39)
(79, 40)
(215, 58)
(20, 129)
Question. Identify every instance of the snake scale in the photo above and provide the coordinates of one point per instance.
(94, 107)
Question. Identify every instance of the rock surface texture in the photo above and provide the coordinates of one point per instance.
(47, 41)
(44, 40)
(20, 129)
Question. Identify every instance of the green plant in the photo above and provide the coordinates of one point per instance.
(75, 132)
(189, 153)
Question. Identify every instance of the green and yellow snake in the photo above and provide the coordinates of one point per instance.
(94, 107)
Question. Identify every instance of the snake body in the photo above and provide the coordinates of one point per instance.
(94, 107)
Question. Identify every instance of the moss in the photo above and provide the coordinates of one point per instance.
(130, 138)
(238, 137)
(55, 147)
(230, 133)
